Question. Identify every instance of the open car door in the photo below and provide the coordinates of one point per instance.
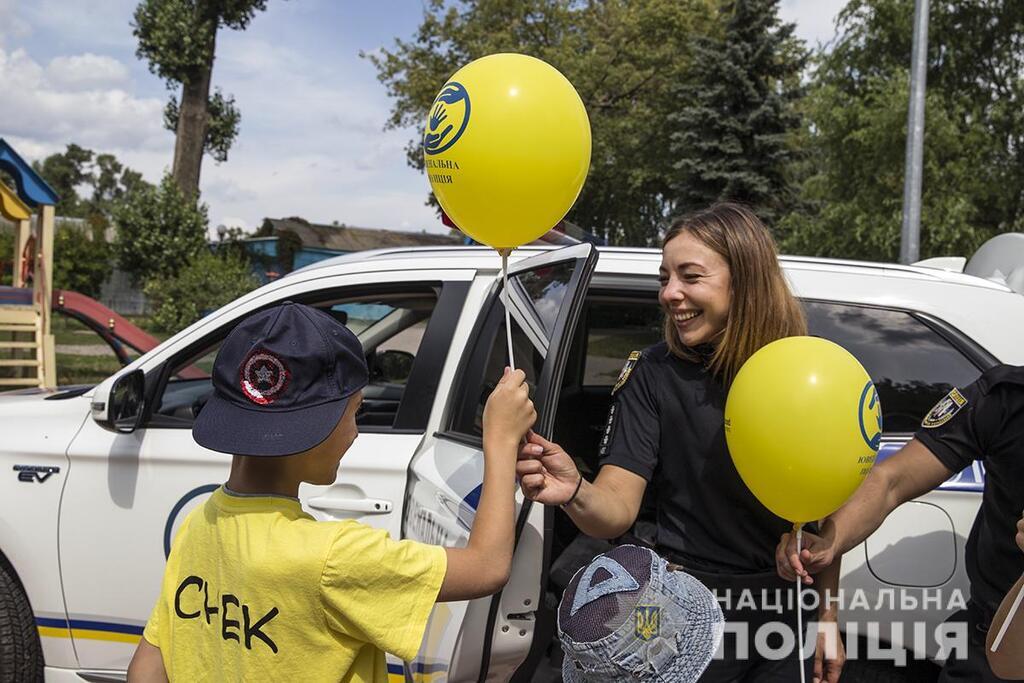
(489, 638)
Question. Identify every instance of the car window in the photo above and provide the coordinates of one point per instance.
(614, 329)
(390, 328)
(912, 365)
(546, 288)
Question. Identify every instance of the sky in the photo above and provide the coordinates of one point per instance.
(312, 141)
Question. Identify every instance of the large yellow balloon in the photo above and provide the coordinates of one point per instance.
(803, 423)
(507, 148)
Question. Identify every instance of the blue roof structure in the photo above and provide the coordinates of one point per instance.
(32, 189)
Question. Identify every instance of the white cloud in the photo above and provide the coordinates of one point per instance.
(11, 25)
(814, 19)
(38, 105)
(86, 72)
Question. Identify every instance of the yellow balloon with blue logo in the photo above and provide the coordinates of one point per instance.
(506, 147)
(803, 423)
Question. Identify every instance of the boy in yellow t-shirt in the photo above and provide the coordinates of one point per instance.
(256, 589)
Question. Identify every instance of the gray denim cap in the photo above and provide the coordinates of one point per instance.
(627, 617)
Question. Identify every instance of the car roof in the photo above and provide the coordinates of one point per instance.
(485, 258)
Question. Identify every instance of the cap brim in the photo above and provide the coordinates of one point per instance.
(225, 427)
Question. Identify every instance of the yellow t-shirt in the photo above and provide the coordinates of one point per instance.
(256, 589)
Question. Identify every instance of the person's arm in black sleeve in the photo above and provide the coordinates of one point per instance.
(607, 507)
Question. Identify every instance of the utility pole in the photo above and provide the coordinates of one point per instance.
(910, 237)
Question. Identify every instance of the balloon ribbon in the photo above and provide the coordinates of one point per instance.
(800, 610)
(508, 317)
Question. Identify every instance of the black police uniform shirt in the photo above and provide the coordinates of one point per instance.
(985, 422)
(667, 424)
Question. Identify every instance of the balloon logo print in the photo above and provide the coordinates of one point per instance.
(449, 115)
(870, 416)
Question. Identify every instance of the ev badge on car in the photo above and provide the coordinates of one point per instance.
(37, 473)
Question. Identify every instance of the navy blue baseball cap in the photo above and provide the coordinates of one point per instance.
(281, 382)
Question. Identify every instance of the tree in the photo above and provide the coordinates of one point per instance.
(82, 257)
(855, 134)
(178, 38)
(733, 135)
(205, 284)
(76, 168)
(64, 172)
(623, 56)
(160, 230)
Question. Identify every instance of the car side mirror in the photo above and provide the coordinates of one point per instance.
(123, 408)
(393, 366)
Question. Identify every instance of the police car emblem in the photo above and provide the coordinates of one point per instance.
(627, 369)
(944, 410)
(264, 377)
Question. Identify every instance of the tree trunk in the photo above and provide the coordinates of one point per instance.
(193, 120)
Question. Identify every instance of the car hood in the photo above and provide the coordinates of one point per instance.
(30, 423)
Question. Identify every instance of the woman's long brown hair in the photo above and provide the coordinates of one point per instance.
(762, 308)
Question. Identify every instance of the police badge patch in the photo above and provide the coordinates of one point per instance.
(627, 369)
(944, 410)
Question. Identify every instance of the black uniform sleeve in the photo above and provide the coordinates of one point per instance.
(633, 430)
(957, 429)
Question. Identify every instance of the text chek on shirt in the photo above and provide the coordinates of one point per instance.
(985, 422)
(666, 424)
(256, 589)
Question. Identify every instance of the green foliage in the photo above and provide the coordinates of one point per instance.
(6, 257)
(177, 37)
(204, 284)
(82, 257)
(75, 167)
(64, 172)
(221, 129)
(733, 135)
(624, 57)
(159, 231)
(855, 135)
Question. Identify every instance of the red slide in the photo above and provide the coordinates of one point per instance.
(115, 329)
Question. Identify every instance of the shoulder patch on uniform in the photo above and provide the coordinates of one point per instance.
(944, 410)
(627, 370)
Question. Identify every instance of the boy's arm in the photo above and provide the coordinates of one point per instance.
(147, 666)
(483, 566)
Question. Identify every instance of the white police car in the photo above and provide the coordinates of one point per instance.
(97, 480)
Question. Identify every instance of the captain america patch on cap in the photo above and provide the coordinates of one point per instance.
(627, 370)
(944, 410)
(263, 377)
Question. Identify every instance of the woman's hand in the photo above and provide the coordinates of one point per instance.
(546, 472)
(1020, 534)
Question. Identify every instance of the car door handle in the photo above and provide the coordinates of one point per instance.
(369, 506)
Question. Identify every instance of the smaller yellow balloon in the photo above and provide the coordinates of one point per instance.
(803, 424)
(506, 147)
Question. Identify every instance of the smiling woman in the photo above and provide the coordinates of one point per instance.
(724, 297)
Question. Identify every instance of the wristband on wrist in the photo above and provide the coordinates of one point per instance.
(574, 494)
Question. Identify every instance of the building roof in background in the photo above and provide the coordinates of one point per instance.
(347, 238)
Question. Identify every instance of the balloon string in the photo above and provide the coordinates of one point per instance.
(1009, 618)
(508, 316)
(800, 610)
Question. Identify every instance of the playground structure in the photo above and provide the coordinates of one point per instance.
(26, 342)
